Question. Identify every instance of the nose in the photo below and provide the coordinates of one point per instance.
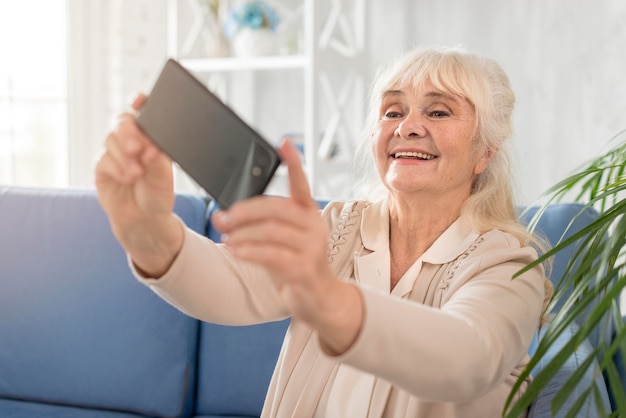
(411, 127)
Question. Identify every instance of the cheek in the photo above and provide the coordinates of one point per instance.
(382, 134)
(377, 142)
(378, 148)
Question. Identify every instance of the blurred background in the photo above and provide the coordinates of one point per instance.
(68, 67)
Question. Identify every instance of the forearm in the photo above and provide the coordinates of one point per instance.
(422, 351)
(340, 319)
(453, 354)
(205, 281)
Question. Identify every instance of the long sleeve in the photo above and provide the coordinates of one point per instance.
(481, 331)
(206, 282)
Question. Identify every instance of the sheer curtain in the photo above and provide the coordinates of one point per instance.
(123, 44)
(62, 85)
(33, 93)
(89, 86)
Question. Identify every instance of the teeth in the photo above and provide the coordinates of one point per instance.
(412, 154)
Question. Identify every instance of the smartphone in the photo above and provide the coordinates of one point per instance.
(206, 138)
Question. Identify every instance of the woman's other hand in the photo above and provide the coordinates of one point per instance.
(290, 238)
(134, 181)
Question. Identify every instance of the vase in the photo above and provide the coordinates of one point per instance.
(255, 42)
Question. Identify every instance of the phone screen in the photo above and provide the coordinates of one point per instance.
(208, 140)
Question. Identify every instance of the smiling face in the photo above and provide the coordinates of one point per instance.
(422, 144)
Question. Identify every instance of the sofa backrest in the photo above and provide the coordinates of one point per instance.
(561, 221)
(235, 366)
(77, 328)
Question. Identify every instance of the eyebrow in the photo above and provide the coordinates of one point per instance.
(433, 94)
(442, 95)
(388, 93)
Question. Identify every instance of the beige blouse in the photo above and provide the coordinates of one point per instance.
(448, 341)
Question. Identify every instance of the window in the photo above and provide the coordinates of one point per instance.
(33, 93)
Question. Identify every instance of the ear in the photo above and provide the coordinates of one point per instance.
(484, 160)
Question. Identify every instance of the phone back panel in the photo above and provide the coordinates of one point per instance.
(210, 142)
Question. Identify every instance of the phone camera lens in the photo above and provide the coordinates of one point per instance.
(256, 171)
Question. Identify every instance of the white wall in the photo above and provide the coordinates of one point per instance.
(566, 60)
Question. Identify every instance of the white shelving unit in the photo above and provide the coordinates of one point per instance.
(332, 64)
(279, 62)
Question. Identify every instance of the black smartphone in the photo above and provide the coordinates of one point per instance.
(209, 141)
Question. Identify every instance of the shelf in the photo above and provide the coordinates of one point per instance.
(326, 76)
(228, 64)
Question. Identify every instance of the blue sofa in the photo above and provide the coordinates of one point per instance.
(79, 337)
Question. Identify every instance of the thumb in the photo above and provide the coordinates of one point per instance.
(298, 185)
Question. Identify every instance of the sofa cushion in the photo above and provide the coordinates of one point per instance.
(235, 367)
(77, 328)
(541, 405)
(19, 409)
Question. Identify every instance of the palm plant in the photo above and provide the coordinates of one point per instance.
(591, 285)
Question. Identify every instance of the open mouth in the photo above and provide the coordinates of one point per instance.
(411, 155)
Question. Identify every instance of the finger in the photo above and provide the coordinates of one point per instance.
(129, 146)
(149, 151)
(158, 168)
(133, 137)
(138, 102)
(298, 185)
(152, 152)
(108, 168)
(272, 232)
(134, 140)
(126, 163)
(261, 209)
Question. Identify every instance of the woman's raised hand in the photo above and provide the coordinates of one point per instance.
(135, 188)
(289, 237)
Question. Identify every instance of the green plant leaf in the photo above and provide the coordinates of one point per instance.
(589, 289)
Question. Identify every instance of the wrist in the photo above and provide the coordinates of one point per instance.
(153, 246)
(341, 320)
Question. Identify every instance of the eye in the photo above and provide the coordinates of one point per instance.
(392, 111)
(392, 114)
(439, 114)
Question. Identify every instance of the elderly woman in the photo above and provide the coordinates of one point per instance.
(403, 306)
